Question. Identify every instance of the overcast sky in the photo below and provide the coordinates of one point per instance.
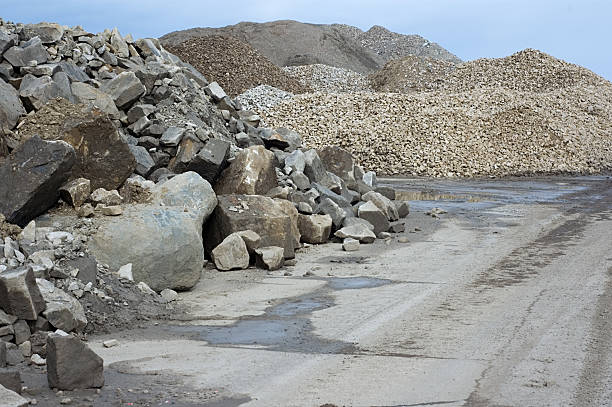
(577, 31)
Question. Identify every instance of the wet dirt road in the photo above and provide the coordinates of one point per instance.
(503, 301)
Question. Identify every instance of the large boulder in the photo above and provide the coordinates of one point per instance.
(71, 364)
(12, 399)
(231, 253)
(35, 92)
(261, 214)
(63, 311)
(270, 257)
(383, 203)
(315, 229)
(340, 162)
(374, 216)
(162, 240)
(31, 178)
(94, 98)
(290, 210)
(10, 107)
(251, 173)
(19, 294)
(211, 159)
(124, 89)
(32, 50)
(47, 32)
(358, 232)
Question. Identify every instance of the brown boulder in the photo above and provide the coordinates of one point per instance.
(251, 173)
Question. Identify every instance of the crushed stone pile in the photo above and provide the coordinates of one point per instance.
(234, 64)
(325, 78)
(262, 97)
(528, 71)
(481, 132)
(389, 45)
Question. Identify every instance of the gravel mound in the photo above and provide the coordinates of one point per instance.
(262, 98)
(235, 65)
(389, 45)
(528, 70)
(324, 78)
(480, 132)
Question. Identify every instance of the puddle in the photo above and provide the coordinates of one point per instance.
(285, 326)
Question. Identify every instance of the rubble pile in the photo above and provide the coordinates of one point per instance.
(521, 115)
(525, 71)
(324, 78)
(234, 64)
(262, 97)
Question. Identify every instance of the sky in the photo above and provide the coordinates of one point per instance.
(576, 31)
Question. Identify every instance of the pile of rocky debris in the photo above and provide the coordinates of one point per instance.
(325, 78)
(263, 97)
(234, 64)
(123, 195)
(521, 115)
(525, 71)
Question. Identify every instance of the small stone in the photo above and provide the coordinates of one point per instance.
(110, 343)
(350, 245)
(403, 239)
(114, 210)
(85, 211)
(38, 360)
(125, 272)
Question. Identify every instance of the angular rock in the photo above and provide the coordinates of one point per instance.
(387, 192)
(172, 136)
(31, 177)
(10, 379)
(315, 229)
(231, 254)
(19, 294)
(403, 209)
(358, 232)
(397, 228)
(352, 221)
(48, 33)
(63, 311)
(383, 203)
(375, 216)
(119, 44)
(215, 91)
(72, 365)
(73, 71)
(33, 50)
(293, 214)
(251, 239)
(12, 399)
(144, 162)
(163, 244)
(350, 245)
(115, 210)
(10, 107)
(261, 214)
(300, 180)
(340, 162)
(22, 331)
(6, 41)
(369, 178)
(269, 257)
(92, 97)
(2, 354)
(104, 197)
(103, 157)
(76, 192)
(329, 207)
(35, 92)
(252, 172)
(124, 89)
(137, 112)
(314, 168)
(211, 160)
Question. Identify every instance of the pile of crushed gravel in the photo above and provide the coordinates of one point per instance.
(262, 98)
(325, 78)
(528, 70)
(479, 132)
(234, 64)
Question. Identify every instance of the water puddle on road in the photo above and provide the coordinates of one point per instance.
(285, 326)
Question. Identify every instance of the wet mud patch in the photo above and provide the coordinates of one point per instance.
(285, 326)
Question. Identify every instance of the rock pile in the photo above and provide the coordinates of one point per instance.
(475, 133)
(325, 78)
(412, 74)
(234, 64)
(262, 97)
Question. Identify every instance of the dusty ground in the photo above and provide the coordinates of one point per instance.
(503, 301)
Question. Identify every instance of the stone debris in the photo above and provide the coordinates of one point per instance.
(329, 79)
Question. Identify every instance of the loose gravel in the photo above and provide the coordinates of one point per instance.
(325, 78)
(262, 98)
(234, 64)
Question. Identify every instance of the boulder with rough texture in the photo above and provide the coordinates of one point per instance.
(35, 92)
(329, 207)
(314, 168)
(296, 161)
(252, 173)
(210, 160)
(269, 257)
(375, 216)
(340, 162)
(94, 98)
(357, 232)
(76, 192)
(48, 33)
(32, 50)
(144, 162)
(215, 91)
(350, 245)
(10, 107)
(261, 214)
(63, 311)
(72, 365)
(383, 203)
(315, 229)
(292, 212)
(124, 89)
(403, 209)
(251, 239)
(31, 178)
(104, 197)
(19, 294)
(231, 254)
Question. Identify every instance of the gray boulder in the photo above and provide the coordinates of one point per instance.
(357, 232)
(144, 162)
(383, 203)
(313, 167)
(124, 89)
(374, 216)
(215, 91)
(340, 162)
(33, 50)
(92, 97)
(31, 178)
(72, 365)
(403, 209)
(10, 107)
(73, 71)
(48, 33)
(252, 173)
(63, 311)
(19, 294)
(210, 160)
(35, 92)
(329, 207)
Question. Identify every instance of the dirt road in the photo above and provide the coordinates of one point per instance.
(505, 300)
